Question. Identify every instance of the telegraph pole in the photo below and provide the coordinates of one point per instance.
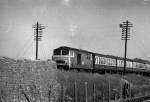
(125, 36)
(37, 35)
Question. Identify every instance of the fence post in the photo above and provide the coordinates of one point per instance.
(75, 91)
(85, 91)
(109, 90)
(94, 93)
(103, 98)
(121, 91)
(62, 93)
(50, 93)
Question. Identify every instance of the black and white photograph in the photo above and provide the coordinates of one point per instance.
(74, 51)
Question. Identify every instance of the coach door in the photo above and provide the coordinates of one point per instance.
(79, 59)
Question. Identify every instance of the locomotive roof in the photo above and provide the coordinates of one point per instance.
(65, 47)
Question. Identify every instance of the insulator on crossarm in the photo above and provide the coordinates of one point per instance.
(125, 39)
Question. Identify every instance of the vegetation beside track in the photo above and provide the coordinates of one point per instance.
(106, 83)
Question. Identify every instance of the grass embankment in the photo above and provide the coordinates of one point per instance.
(140, 85)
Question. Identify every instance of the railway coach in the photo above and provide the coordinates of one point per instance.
(72, 58)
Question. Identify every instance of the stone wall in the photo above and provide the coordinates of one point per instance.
(25, 80)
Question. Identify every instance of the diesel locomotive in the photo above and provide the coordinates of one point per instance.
(72, 58)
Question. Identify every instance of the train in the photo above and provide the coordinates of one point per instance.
(73, 58)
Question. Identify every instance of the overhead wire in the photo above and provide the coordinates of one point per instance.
(44, 49)
(21, 51)
(28, 48)
(141, 46)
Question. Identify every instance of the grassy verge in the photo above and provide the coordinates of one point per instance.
(140, 85)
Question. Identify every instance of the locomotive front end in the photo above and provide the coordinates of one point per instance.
(61, 57)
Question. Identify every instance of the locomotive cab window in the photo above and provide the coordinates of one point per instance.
(61, 52)
(65, 52)
(57, 52)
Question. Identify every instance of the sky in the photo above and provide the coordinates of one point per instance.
(91, 25)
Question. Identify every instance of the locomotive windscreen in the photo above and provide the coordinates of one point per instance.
(57, 52)
(61, 52)
(65, 52)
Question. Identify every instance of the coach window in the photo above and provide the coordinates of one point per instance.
(65, 52)
(79, 59)
(87, 56)
(96, 60)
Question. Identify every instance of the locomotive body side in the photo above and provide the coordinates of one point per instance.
(82, 60)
